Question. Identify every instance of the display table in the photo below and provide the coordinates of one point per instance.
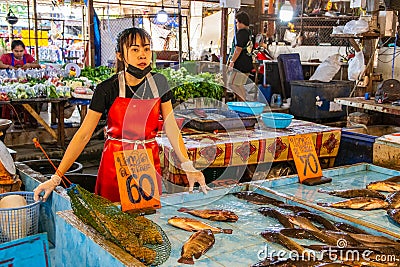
(244, 147)
(58, 103)
(360, 102)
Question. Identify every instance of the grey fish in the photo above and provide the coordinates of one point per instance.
(358, 203)
(394, 200)
(349, 228)
(384, 186)
(256, 198)
(350, 193)
(340, 235)
(318, 219)
(277, 215)
(311, 235)
(277, 237)
(394, 214)
(302, 222)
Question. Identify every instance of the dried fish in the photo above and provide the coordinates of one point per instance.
(394, 214)
(303, 222)
(198, 244)
(213, 215)
(358, 203)
(277, 215)
(349, 228)
(256, 198)
(192, 225)
(394, 200)
(318, 219)
(384, 186)
(350, 193)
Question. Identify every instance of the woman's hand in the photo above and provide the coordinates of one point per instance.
(193, 175)
(46, 187)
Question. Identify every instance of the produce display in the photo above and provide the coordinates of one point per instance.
(185, 85)
(50, 83)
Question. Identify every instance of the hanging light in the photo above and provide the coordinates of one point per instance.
(11, 18)
(286, 12)
(162, 15)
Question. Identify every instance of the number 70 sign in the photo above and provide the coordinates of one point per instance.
(305, 157)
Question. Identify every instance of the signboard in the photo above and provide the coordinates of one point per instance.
(137, 180)
(305, 157)
(43, 37)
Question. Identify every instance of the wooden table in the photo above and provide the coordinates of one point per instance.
(360, 102)
(58, 103)
(246, 147)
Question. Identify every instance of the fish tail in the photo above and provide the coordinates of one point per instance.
(227, 231)
(186, 260)
(183, 210)
(323, 204)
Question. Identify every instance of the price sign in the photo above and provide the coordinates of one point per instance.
(137, 180)
(305, 157)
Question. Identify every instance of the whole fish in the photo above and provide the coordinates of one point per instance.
(384, 186)
(394, 200)
(293, 208)
(213, 215)
(277, 215)
(318, 219)
(361, 249)
(358, 203)
(367, 238)
(192, 225)
(350, 193)
(394, 214)
(350, 242)
(277, 237)
(289, 263)
(349, 228)
(309, 234)
(197, 244)
(256, 198)
(303, 222)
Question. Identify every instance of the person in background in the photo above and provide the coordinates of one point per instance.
(240, 56)
(132, 101)
(18, 58)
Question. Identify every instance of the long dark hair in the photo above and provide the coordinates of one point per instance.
(16, 43)
(125, 39)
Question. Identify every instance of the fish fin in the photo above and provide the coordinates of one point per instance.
(183, 210)
(227, 231)
(324, 204)
(197, 255)
(186, 260)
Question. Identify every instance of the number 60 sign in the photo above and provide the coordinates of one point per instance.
(137, 180)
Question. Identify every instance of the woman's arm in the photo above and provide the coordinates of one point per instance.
(175, 138)
(5, 66)
(75, 148)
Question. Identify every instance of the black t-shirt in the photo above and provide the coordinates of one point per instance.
(244, 62)
(107, 91)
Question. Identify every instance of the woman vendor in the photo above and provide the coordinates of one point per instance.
(132, 100)
(18, 58)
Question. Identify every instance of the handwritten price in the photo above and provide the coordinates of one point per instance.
(305, 159)
(132, 186)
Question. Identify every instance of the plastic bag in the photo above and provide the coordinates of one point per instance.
(356, 27)
(356, 66)
(327, 70)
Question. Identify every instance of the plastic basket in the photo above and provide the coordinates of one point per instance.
(19, 222)
(255, 108)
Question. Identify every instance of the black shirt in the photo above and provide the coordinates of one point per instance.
(107, 91)
(244, 62)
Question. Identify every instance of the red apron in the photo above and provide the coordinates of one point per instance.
(130, 123)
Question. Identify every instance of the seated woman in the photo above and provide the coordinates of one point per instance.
(18, 58)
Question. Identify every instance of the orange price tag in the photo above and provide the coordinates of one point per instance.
(305, 157)
(137, 180)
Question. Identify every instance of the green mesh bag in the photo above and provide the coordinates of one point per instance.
(139, 236)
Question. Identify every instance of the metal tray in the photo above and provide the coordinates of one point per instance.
(215, 121)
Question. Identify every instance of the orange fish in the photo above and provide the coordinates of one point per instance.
(213, 215)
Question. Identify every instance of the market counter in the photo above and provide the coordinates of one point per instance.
(239, 148)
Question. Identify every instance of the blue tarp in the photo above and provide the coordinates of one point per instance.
(97, 39)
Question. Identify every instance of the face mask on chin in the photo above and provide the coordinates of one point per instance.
(136, 72)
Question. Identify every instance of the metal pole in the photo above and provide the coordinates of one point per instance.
(180, 31)
(36, 30)
(29, 27)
